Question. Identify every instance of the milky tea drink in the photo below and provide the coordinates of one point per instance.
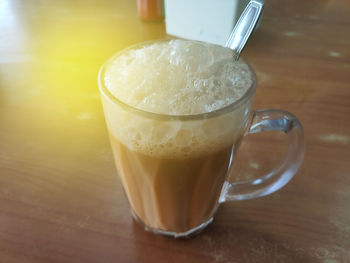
(176, 111)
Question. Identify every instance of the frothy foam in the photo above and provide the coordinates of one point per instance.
(177, 78)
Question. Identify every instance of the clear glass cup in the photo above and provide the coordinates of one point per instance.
(178, 194)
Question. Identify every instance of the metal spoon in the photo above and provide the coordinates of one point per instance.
(239, 36)
(244, 27)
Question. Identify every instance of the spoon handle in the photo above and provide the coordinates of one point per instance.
(244, 27)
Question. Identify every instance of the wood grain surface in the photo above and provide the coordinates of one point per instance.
(60, 197)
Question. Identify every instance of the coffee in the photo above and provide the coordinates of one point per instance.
(171, 194)
(173, 168)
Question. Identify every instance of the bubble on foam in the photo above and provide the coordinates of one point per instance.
(178, 77)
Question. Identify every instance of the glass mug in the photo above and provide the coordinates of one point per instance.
(177, 192)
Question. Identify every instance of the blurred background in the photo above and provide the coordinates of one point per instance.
(60, 197)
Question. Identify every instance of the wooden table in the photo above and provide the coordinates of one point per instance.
(60, 197)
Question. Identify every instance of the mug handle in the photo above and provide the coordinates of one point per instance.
(271, 120)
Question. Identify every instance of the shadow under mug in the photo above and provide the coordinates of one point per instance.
(178, 176)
